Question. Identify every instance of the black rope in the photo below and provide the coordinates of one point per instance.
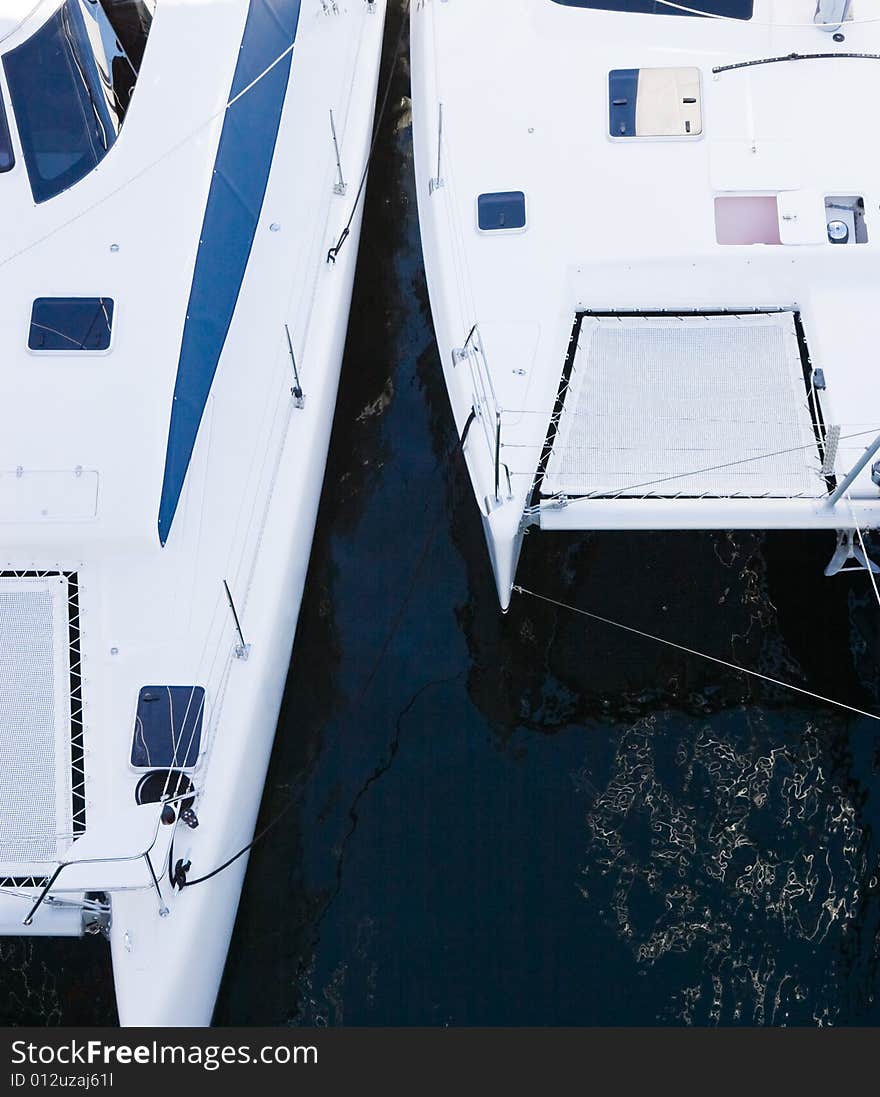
(467, 427)
(346, 232)
(794, 57)
(177, 873)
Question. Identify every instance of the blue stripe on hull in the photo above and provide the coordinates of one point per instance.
(241, 171)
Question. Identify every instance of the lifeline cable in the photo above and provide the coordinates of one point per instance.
(794, 57)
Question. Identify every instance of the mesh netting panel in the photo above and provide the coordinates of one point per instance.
(654, 401)
(34, 734)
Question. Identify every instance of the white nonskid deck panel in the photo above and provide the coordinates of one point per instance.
(686, 405)
(35, 770)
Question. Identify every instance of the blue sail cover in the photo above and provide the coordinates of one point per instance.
(241, 171)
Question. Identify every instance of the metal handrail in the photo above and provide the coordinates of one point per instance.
(485, 405)
(145, 854)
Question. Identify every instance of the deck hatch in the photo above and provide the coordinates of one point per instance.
(690, 405)
(42, 802)
(168, 727)
(655, 102)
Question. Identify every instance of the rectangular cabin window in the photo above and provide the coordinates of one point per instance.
(70, 324)
(168, 727)
(70, 85)
(7, 154)
(501, 211)
(730, 9)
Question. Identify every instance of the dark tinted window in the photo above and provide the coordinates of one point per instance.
(70, 85)
(125, 26)
(71, 323)
(7, 156)
(501, 210)
(733, 9)
(168, 727)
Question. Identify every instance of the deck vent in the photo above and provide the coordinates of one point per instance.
(663, 102)
(502, 211)
(168, 727)
(65, 324)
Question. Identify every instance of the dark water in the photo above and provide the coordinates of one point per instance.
(535, 819)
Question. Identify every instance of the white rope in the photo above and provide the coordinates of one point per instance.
(699, 654)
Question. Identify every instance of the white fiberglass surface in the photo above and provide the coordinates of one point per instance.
(688, 405)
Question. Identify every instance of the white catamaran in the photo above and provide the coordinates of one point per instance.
(179, 180)
(650, 231)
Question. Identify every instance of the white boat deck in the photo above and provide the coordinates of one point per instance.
(629, 225)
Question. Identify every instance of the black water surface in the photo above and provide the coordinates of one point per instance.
(535, 819)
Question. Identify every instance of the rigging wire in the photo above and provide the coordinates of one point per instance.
(700, 654)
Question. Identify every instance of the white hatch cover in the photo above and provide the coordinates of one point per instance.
(36, 810)
(686, 405)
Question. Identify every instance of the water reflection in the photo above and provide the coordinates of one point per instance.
(734, 854)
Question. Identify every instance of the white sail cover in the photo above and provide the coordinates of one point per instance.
(686, 405)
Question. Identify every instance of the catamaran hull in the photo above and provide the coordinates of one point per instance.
(167, 970)
(203, 410)
(622, 347)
